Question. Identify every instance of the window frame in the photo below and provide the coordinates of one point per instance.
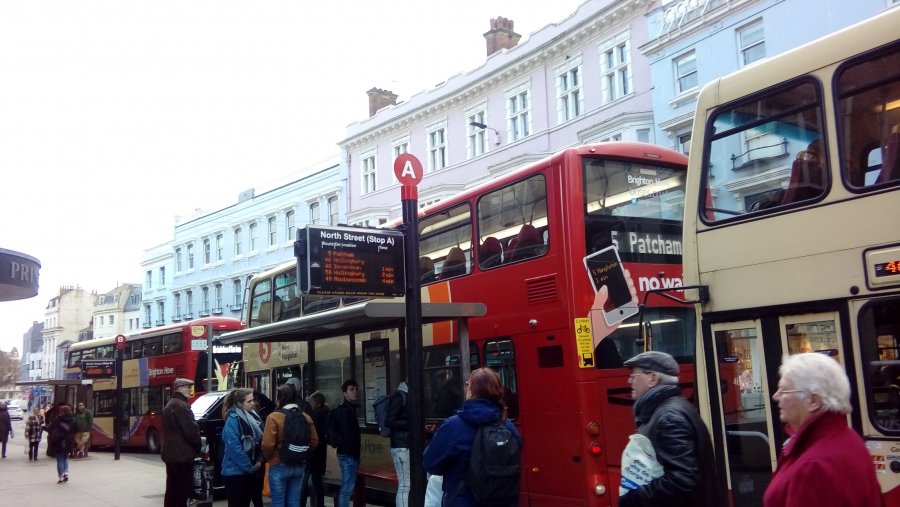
(518, 112)
(693, 72)
(755, 25)
(477, 142)
(436, 140)
(616, 79)
(569, 82)
(368, 172)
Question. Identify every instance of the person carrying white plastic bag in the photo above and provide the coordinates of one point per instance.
(639, 465)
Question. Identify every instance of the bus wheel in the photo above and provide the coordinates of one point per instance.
(152, 441)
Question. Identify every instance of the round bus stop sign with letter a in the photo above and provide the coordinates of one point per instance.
(408, 170)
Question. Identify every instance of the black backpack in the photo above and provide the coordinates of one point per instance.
(494, 466)
(295, 448)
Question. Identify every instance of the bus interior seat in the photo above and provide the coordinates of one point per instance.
(277, 309)
(528, 243)
(264, 315)
(454, 263)
(491, 253)
(426, 270)
(807, 178)
(293, 308)
(890, 165)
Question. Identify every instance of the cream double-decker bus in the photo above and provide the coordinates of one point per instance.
(792, 221)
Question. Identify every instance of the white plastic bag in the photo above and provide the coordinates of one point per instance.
(639, 465)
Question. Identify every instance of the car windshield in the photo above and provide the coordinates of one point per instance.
(202, 404)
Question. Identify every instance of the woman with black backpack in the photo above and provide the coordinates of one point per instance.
(476, 443)
(288, 439)
(61, 441)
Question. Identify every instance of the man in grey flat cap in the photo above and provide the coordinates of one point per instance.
(180, 445)
(680, 439)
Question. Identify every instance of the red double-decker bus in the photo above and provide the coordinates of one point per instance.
(515, 244)
(151, 361)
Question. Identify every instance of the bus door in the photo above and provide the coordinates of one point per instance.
(748, 354)
(876, 331)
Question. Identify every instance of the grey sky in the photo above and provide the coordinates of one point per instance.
(116, 116)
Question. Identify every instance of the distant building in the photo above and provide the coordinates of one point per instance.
(66, 315)
(117, 311)
(32, 347)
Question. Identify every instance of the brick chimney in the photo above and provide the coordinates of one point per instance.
(379, 98)
(501, 35)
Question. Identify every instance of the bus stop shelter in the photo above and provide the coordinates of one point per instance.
(372, 316)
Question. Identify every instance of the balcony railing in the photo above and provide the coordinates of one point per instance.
(176, 318)
(236, 308)
(187, 316)
(160, 322)
(146, 325)
(217, 311)
(204, 313)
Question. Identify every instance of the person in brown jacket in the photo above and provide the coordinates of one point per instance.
(180, 445)
(286, 481)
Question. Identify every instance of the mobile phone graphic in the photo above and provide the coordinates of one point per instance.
(605, 268)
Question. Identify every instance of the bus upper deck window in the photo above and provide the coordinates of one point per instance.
(765, 152)
(869, 101)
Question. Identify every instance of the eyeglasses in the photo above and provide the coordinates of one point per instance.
(789, 391)
(636, 373)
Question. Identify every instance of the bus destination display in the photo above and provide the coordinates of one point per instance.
(889, 268)
(351, 261)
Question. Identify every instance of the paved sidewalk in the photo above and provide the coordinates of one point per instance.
(98, 480)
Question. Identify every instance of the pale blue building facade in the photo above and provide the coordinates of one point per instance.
(203, 271)
(692, 42)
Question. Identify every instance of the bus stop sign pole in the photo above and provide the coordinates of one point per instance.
(408, 170)
(117, 423)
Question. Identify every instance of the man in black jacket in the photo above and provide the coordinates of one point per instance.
(398, 422)
(181, 444)
(347, 440)
(680, 439)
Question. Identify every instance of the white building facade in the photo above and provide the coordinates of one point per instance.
(66, 315)
(577, 81)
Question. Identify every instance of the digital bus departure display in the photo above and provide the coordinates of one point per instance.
(889, 268)
(350, 261)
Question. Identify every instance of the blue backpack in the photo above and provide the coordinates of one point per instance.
(382, 405)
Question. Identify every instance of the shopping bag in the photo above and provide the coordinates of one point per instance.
(639, 465)
(201, 487)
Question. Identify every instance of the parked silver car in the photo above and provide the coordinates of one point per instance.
(15, 411)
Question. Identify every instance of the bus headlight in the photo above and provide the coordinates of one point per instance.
(599, 489)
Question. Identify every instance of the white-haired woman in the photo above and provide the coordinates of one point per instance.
(824, 462)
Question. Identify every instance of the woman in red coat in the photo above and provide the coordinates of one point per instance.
(825, 462)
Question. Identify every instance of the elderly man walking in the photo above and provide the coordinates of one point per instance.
(181, 445)
(680, 439)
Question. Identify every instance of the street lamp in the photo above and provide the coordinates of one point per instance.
(483, 126)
